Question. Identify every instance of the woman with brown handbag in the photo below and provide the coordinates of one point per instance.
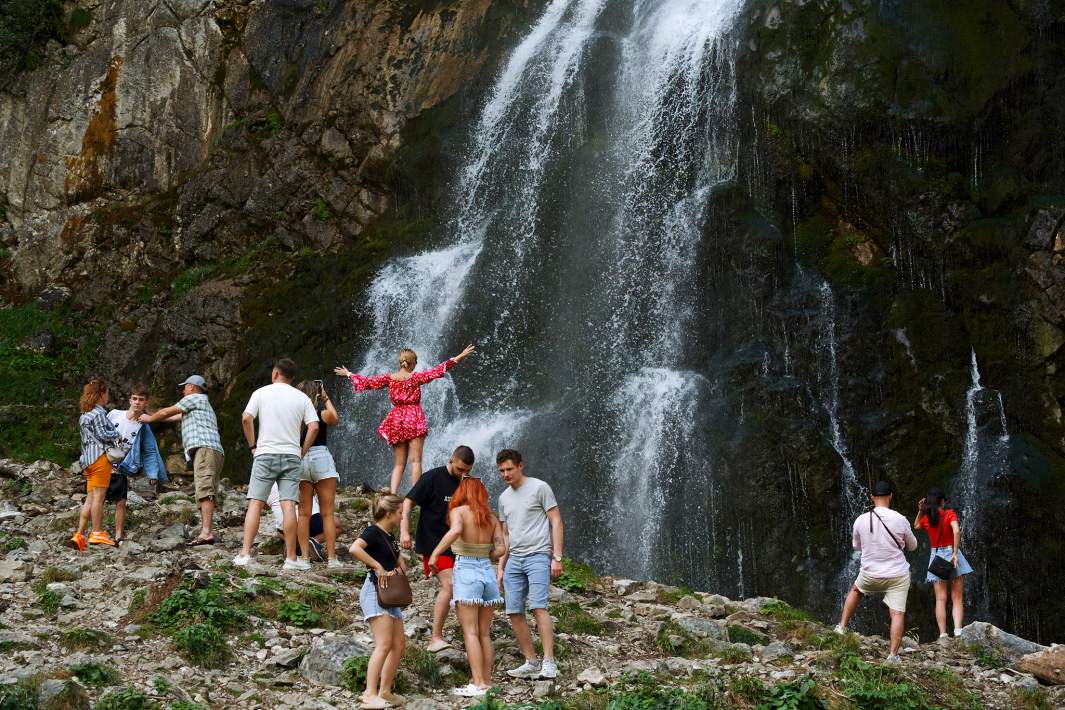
(377, 549)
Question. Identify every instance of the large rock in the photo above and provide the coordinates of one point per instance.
(325, 661)
(1048, 666)
(15, 570)
(700, 627)
(994, 639)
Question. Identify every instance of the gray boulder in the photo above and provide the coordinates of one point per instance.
(325, 660)
(992, 638)
(700, 627)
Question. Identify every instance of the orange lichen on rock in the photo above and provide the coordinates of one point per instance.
(84, 177)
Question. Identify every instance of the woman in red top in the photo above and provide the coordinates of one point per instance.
(944, 534)
(405, 427)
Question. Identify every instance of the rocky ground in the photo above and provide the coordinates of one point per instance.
(154, 623)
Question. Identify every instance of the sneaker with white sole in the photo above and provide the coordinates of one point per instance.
(549, 669)
(469, 691)
(893, 659)
(334, 563)
(529, 669)
(298, 564)
(242, 560)
(318, 550)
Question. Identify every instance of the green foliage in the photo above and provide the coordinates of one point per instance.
(747, 687)
(675, 641)
(274, 121)
(987, 657)
(319, 597)
(185, 705)
(879, 687)
(321, 211)
(422, 664)
(49, 601)
(298, 614)
(25, 26)
(576, 577)
(574, 620)
(190, 279)
(741, 634)
(209, 605)
(161, 685)
(79, 19)
(782, 611)
(203, 644)
(86, 638)
(672, 595)
(138, 599)
(10, 542)
(95, 675)
(126, 699)
(1029, 699)
(353, 675)
(645, 692)
(792, 696)
(23, 695)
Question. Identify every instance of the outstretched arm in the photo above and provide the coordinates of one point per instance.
(420, 378)
(360, 383)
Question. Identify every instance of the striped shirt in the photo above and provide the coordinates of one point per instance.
(199, 426)
(97, 434)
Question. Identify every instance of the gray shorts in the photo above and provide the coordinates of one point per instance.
(268, 469)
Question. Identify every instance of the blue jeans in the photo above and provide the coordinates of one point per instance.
(474, 582)
(370, 606)
(525, 582)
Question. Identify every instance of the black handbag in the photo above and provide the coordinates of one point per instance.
(940, 566)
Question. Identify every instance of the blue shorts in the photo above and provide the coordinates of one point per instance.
(474, 582)
(946, 553)
(525, 582)
(368, 602)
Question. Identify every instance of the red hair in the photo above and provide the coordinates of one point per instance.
(471, 492)
(92, 393)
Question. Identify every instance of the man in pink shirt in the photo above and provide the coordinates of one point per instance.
(881, 535)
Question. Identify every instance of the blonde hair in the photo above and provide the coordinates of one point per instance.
(92, 393)
(386, 505)
(408, 359)
(310, 389)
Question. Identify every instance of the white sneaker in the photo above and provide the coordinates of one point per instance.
(839, 629)
(469, 691)
(529, 669)
(242, 560)
(893, 659)
(549, 669)
(334, 563)
(297, 564)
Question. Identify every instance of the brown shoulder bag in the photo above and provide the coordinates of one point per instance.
(393, 591)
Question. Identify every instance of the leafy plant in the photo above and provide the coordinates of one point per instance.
(12, 542)
(672, 595)
(879, 687)
(320, 598)
(793, 696)
(321, 211)
(576, 577)
(185, 705)
(353, 674)
(161, 685)
(126, 699)
(95, 675)
(203, 644)
(987, 657)
(675, 641)
(423, 664)
(1029, 699)
(79, 637)
(138, 599)
(209, 605)
(49, 601)
(574, 620)
(782, 611)
(298, 614)
(23, 695)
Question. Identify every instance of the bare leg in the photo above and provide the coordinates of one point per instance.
(381, 626)
(288, 523)
(484, 629)
(520, 625)
(206, 516)
(469, 618)
(957, 601)
(415, 459)
(441, 608)
(395, 655)
(327, 491)
(120, 518)
(898, 625)
(546, 629)
(399, 462)
(850, 605)
(303, 520)
(86, 512)
(251, 524)
(941, 605)
(98, 508)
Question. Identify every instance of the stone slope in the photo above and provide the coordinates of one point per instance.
(116, 617)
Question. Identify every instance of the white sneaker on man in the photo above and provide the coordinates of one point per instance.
(242, 560)
(334, 563)
(298, 564)
(549, 669)
(839, 629)
(529, 669)
(893, 659)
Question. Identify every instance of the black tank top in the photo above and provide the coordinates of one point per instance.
(323, 430)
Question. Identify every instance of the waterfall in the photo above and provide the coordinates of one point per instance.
(571, 258)
(970, 456)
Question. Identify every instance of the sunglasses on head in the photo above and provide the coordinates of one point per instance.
(469, 475)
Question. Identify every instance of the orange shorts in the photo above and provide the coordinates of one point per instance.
(98, 474)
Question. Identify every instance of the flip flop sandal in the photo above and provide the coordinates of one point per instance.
(440, 648)
(201, 541)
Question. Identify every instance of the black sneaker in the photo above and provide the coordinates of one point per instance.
(318, 549)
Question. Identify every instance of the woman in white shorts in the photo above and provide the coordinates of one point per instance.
(318, 475)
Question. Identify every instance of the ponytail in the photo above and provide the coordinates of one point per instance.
(931, 506)
(92, 393)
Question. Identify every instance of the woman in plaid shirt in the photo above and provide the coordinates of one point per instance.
(97, 434)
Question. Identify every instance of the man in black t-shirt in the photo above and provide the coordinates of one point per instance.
(432, 493)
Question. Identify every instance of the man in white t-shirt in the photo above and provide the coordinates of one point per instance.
(276, 455)
(128, 423)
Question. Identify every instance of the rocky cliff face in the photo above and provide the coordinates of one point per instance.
(188, 185)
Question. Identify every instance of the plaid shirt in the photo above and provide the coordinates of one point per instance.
(97, 434)
(199, 426)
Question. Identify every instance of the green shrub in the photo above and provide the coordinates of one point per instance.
(297, 614)
(747, 687)
(574, 620)
(353, 675)
(86, 638)
(576, 577)
(987, 657)
(879, 687)
(203, 644)
(792, 696)
(1029, 699)
(320, 598)
(23, 695)
(185, 705)
(126, 699)
(741, 634)
(12, 542)
(422, 664)
(137, 600)
(672, 595)
(210, 605)
(782, 611)
(49, 601)
(95, 675)
(161, 685)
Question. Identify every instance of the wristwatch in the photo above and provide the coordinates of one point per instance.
(558, 558)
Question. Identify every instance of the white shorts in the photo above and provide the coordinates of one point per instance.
(318, 465)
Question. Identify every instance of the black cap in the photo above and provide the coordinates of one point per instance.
(883, 488)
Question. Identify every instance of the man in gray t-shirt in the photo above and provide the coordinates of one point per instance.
(532, 536)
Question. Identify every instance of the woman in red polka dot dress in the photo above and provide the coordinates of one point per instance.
(405, 427)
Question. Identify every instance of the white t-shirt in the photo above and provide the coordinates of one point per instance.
(127, 428)
(274, 501)
(281, 409)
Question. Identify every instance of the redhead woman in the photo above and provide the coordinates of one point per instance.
(404, 428)
(98, 434)
(944, 534)
(476, 538)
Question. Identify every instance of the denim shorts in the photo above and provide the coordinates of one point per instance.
(525, 582)
(318, 465)
(474, 582)
(946, 553)
(268, 469)
(368, 602)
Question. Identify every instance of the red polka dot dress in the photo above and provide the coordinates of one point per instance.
(406, 421)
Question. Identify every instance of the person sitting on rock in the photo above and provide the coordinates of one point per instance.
(882, 535)
(316, 528)
(98, 435)
(377, 549)
(944, 533)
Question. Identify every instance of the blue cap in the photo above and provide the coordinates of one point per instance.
(194, 380)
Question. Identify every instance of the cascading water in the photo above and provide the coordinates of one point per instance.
(571, 260)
